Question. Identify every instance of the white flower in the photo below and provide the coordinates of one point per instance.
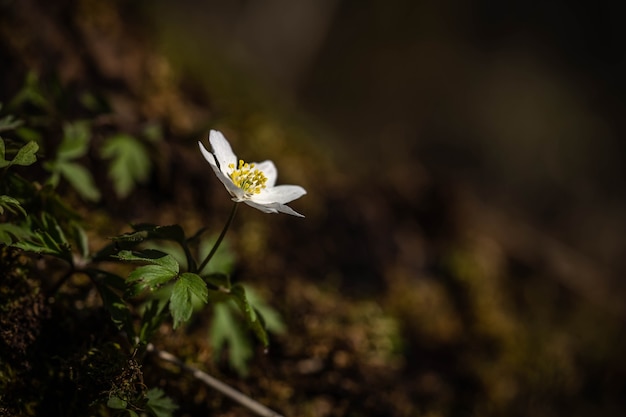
(251, 183)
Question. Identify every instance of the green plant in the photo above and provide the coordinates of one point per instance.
(146, 277)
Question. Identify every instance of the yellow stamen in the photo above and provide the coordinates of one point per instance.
(246, 177)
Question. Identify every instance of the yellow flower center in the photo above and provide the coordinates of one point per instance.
(246, 177)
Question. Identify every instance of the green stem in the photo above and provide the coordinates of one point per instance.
(219, 239)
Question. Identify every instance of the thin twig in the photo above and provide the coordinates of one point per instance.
(216, 384)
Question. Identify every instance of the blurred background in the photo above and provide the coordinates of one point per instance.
(464, 245)
(522, 102)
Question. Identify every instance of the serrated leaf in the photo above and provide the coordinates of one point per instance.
(35, 247)
(159, 404)
(80, 179)
(153, 257)
(152, 276)
(130, 163)
(47, 238)
(75, 141)
(25, 156)
(170, 233)
(187, 286)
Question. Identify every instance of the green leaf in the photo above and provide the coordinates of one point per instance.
(81, 239)
(150, 256)
(173, 233)
(10, 233)
(117, 403)
(239, 296)
(218, 280)
(75, 141)
(47, 238)
(130, 163)
(11, 204)
(159, 404)
(28, 134)
(152, 276)
(271, 318)
(226, 331)
(161, 269)
(30, 93)
(186, 287)
(25, 156)
(80, 179)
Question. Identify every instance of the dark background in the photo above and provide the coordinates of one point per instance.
(523, 102)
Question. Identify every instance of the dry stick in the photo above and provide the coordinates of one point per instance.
(216, 384)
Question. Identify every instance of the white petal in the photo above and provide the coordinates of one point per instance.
(225, 179)
(280, 194)
(264, 208)
(236, 192)
(207, 155)
(288, 210)
(273, 208)
(269, 170)
(223, 152)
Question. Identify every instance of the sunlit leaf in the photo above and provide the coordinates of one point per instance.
(152, 276)
(186, 287)
(150, 256)
(25, 156)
